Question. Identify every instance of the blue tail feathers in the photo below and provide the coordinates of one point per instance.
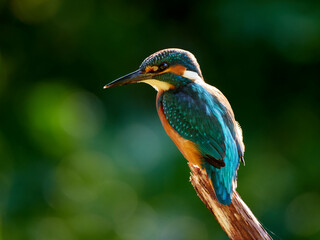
(222, 186)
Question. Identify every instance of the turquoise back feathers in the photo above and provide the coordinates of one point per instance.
(198, 115)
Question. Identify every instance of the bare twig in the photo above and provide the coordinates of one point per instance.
(236, 219)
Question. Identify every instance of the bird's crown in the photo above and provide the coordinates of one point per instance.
(163, 59)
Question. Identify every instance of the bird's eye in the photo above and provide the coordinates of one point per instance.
(163, 66)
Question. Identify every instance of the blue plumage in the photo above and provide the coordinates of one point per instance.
(197, 116)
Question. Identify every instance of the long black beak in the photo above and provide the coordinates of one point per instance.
(136, 76)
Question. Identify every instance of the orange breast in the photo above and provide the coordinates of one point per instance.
(186, 147)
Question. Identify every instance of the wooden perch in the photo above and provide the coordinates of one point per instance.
(236, 219)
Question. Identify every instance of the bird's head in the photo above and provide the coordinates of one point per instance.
(164, 70)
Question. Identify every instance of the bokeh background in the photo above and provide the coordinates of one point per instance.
(80, 162)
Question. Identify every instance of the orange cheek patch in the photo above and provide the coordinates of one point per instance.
(151, 69)
(177, 69)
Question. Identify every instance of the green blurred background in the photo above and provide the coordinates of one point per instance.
(80, 162)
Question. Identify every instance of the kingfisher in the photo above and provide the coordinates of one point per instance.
(195, 115)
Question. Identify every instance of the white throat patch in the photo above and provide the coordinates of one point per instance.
(158, 85)
(164, 86)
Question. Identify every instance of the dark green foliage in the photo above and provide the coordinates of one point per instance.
(80, 162)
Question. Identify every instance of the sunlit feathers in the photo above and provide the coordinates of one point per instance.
(196, 116)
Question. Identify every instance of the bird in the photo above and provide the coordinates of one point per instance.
(196, 116)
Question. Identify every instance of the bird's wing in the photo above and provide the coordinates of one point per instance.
(194, 121)
(199, 116)
(229, 120)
